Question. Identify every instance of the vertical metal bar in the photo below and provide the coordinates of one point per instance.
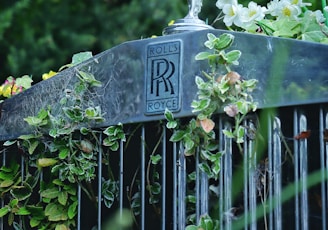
(221, 176)
(276, 174)
(143, 178)
(79, 207)
(300, 154)
(99, 180)
(326, 164)
(227, 171)
(175, 192)
(121, 178)
(252, 184)
(296, 172)
(204, 193)
(303, 175)
(246, 162)
(182, 189)
(22, 176)
(272, 131)
(323, 157)
(164, 178)
(197, 187)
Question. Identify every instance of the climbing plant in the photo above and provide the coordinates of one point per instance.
(61, 154)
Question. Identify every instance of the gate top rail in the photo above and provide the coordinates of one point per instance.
(141, 78)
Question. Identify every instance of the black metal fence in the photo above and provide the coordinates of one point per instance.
(281, 174)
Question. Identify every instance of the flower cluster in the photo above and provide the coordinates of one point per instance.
(9, 88)
(13, 86)
(248, 17)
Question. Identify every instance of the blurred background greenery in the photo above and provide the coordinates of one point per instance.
(41, 35)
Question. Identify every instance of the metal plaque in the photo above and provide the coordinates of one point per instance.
(163, 77)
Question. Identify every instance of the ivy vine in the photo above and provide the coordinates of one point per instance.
(219, 90)
(65, 148)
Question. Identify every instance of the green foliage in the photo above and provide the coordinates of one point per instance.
(66, 148)
(221, 90)
(66, 26)
(306, 28)
(205, 223)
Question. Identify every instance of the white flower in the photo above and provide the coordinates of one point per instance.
(273, 7)
(283, 9)
(300, 3)
(232, 14)
(253, 13)
(221, 3)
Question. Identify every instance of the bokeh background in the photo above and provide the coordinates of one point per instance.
(41, 35)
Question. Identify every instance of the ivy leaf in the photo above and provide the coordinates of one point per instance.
(34, 222)
(90, 112)
(21, 192)
(50, 193)
(4, 211)
(62, 197)
(63, 153)
(228, 133)
(84, 130)
(206, 169)
(36, 212)
(81, 57)
(73, 113)
(53, 133)
(109, 198)
(9, 142)
(189, 144)
(35, 121)
(28, 136)
(72, 210)
(24, 81)
(243, 106)
(6, 183)
(32, 147)
(202, 56)
(191, 199)
(55, 212)
(240, 132)
(216, 167)
(155, 188)
(155, 159)
(89, 78)
(23, 211)
(211, 41)
(46, 162)
(171, 124)
(61, 227)
(225, 40)
(177, 136)
(233, 56)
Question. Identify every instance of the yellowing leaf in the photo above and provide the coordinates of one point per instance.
(45, 162)
(207, 125)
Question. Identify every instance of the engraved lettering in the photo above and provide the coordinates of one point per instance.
(161, 72)
(163, 77)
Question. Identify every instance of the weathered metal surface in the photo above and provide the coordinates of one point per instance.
(140, 78)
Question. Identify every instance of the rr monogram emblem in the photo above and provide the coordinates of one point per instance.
(163, 77)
